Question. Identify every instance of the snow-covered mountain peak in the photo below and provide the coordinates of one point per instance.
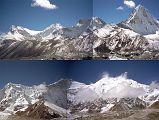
(14, 28)
(141, 21)
(54, 26)
(111, 87)
(98, 20)
(8, 85)
(52, 31)
(82, 22)
(139, 12)
(106, 78)
(91, 22)
(21, 29)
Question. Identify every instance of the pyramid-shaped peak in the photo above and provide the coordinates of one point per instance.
(142, 22)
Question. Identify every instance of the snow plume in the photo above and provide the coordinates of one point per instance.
(154, 85)
(44, 4)
(41, 88)
(129, 3)
(106, 75)
(120, 86)
(124, 90)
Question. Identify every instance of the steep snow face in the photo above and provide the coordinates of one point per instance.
(118, 87)
(51, 32)
(32, 32)
(13, 34)
(111, 88)
(18, 96)
(142, 22)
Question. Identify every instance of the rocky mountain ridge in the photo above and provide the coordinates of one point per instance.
(92, 38)
(67, 97)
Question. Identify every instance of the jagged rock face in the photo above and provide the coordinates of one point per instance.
(39, 111)
(126, 104)
(141, 21)
(59, 93)
(155, 105)
(122, 44)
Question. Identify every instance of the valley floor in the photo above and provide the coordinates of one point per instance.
(148, 114)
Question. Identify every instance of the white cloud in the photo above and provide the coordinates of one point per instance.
(129, 3)
(41, 88)
(125, 90)
(120, 8)
(154, 85)
(121, 87)
(44, 4)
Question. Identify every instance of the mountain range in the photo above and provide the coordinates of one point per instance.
(135, 38)
(71, 99)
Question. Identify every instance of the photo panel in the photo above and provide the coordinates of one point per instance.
(48, 90)
(79, 30)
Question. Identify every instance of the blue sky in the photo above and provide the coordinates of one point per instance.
(22, 12)
(106, 9)
(37, 72)
(31, 72)
(32, 15)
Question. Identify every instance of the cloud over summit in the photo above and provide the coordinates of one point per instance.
(129, 3)
(44, 4)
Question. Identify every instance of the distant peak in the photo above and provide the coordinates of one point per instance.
(54, 26)
(57, 25)
(9, 85)
(96, 18)
(14, 28)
